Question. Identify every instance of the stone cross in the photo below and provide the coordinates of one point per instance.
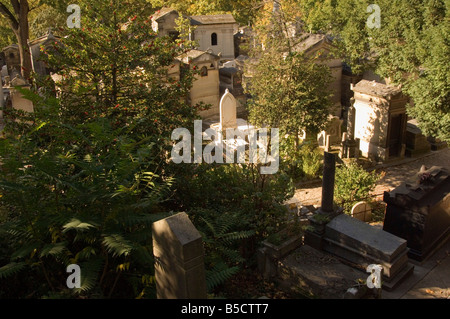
(227, 111)
(179, 259)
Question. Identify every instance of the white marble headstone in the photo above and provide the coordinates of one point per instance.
(362, 211)
(228, 111)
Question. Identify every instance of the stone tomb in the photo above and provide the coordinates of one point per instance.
(179, 259)
(416, 142)
(419, 211)
(228, 118)
(332, 132)
(18, 101)
(380, 120)
(362, 244)
(353, 240)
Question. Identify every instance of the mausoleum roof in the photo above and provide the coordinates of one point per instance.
(162, 12)
(376, 88)
(311, 40)
(195, 54)
(212, 19)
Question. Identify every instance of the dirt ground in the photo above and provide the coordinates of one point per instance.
(394, 174)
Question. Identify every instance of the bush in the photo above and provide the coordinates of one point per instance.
(300, 163)
(353, 184)
(311, 160)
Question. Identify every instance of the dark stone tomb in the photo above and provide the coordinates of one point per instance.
(419, 211)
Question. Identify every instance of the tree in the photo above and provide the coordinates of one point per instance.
(413, 50)
(16, 13)
(288, 89)
(410, 48)
(86, 174)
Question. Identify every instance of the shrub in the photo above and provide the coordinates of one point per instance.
(311, 160)
(353, 184)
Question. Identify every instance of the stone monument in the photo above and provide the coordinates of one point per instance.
(419, 211)
(380, 120)
(350, 145)
(228, 111)
(179, 259)
(362, 211)
(17, 99)
(416, 142)
(353, 240)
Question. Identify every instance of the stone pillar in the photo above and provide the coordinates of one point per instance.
(343, 153)
(351, 120)
(329, 169)
(327, 211)
(179, 259)
(327, 143)
(350, 146)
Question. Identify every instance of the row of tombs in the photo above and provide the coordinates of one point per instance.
(377, 126)
(368, 119)
(417, 223)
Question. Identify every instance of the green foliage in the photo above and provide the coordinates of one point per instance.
(235, 189)
(311, 159)
(289, 93)
(86, 174)
(302, 162)
(222, 239)
(410, 47)
(353, 184)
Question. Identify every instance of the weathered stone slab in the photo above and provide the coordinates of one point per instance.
(179, 256)
(355, 233)
(317, 273)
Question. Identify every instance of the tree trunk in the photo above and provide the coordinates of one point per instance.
(18, 20)
(23, 34)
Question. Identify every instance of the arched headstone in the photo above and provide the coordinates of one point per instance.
(362, 211)
(228, 111)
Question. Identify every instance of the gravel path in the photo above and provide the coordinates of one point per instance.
(395, 174)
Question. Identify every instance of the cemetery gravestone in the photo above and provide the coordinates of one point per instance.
(227, 111)
(419, 211)
(353, 240)
(179, 259)
(362, 211)
(416, 142)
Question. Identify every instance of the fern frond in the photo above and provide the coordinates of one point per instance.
(210, 225)
(219, 274)
(24, 251)
(53, 249)
(78, 225)
(85, 253)
(11, 269)
(238, 235)
(90, 271)
(117, 245)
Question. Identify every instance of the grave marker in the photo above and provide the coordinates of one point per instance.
(362, 211)
(179, 259)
